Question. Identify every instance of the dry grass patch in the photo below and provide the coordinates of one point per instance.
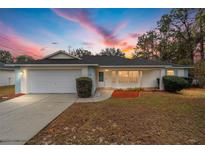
(152, 118)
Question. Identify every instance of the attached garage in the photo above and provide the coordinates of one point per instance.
(52, 81)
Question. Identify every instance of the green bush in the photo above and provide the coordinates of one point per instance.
(84, 87)
(174, 83)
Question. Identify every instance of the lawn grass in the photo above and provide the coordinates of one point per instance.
(152, 118)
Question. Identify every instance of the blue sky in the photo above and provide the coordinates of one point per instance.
(33, 31)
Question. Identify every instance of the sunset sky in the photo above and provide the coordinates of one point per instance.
(38, 32)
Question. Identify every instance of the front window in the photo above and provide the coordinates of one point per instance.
(123, 77)
(170, 72)
(101, 76)
(128, 76)
(133, 76)
(113, 76)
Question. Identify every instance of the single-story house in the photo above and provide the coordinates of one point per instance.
(56, 73)
(7, 75)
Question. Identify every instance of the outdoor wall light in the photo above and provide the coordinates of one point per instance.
(106, 70)
(21, 73)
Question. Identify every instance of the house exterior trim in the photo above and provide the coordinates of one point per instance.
(34, 65)
(135, 66)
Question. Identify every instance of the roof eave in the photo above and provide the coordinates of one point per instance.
(33, 65)
(138, 66)
(181, 67)
(8, 69)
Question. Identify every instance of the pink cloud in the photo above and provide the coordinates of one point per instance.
(134, 35)
(119, 27)
(83, 18)
(18, 45)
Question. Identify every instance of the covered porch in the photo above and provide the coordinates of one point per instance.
(129, 78)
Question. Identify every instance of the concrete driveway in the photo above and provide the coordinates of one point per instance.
(23, 117)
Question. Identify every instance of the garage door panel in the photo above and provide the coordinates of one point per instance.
(62, 81)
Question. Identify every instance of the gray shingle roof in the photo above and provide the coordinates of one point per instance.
(100, 60)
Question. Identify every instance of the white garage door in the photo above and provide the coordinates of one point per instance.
(58, 81)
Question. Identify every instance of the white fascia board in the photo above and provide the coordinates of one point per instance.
(34, 65)
(181, 67)
(147, 66)
(138, 66)
(7, 69)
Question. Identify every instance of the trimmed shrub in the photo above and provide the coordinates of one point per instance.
(84, 87)
(174, 83)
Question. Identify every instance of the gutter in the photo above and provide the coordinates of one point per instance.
(146, 66)
(8, 69)
(102, 66)
(138, 66)
(181, 67)
(34, 65)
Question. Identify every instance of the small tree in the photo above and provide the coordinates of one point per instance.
(147, 46)
(23, 58)
(80, 52)
(5, 57)
(111, 52)
(141, 54)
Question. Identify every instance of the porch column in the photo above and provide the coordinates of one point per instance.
(163, 73)
(17, 80)
(117, 79)
(140, 79)
(85, 71)
(20, 80)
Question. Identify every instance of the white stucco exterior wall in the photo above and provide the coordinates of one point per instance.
(7, 77)
(85, 71)
(24, 77)
(92, 75)
(149, 78)
(180, 72)
(17, 81)
(162, 74)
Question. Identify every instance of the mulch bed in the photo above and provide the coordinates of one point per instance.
(7, 97)
(125, 94)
